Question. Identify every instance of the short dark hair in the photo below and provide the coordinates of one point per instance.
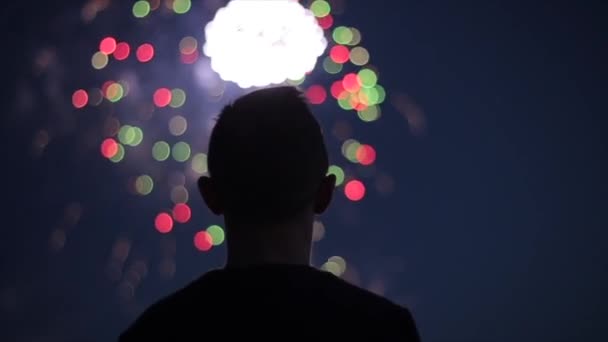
(267, 156)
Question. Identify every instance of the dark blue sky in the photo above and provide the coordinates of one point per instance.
(499, 217)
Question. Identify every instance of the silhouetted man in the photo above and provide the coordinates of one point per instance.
(268, 178)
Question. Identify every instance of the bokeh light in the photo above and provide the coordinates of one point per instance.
(342, 35)
(107, 45)
(122, 51)
(182, 213)
(199, 163)
(161, 150)
(144, 185)
(119, 155)
(338, 172)
(181, 6)
(181, 151)
(339, 54)
(258, 43)
(109, 147)
(178, 98)
(162, 97)
(326, 22)
(141, 9)
(145, 52)
(331, 67)
(217, 234)
(316, 94)
(80, 98)
(99, 60)
(366, 154)
(354, 190)
(359, 56)
(178, 125)
(320, 8)
(163, 223)
(179, 194)
(203, 241)
(351, 83)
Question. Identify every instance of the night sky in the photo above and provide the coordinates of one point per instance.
(495, 231)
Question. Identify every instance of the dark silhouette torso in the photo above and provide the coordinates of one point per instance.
(273, 302)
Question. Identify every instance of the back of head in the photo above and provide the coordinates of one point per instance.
(267, 156)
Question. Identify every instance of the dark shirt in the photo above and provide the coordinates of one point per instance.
(272, 302)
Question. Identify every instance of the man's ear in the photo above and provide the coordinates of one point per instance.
(325, 193)
(208, 190)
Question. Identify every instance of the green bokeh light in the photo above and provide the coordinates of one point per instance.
(120, 154)
(339, 261)
(178, 98)
(332, 267)
(138, 136)
(356, 37)
(368, 78)
(342, 35)
(217, 234)
(320, 8)
(345, 103)
(338, 172)
(144, 185)
(181, 6)
(114, 92)
(381, 93)
(369, 96)
(126, 135)
(331, 67)
(141, 9)
(349, 149)
(99, 60)
(161, 150)
(199, 163)
(369, 114)
(181, 151)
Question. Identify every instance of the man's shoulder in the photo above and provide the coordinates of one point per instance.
(161, 314)
(364, 298)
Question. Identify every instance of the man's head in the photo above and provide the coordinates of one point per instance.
(267, 160)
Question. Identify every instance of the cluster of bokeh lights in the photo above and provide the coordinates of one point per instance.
(290, 41)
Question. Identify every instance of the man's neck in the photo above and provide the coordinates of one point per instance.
(282, 244)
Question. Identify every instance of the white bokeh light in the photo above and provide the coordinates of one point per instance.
(256, 43)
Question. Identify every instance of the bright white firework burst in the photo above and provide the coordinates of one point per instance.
(262, 42)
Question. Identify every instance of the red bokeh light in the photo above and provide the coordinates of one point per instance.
(339, 54)
(316, 94)
(182, 213)
(326, 22)
(366, 155)
(80, 98)
(354, 190)
(107, 45)
(337, 90)
(163, 223)
(109, 148)
(162, 97)
(122, 51)
(189, 58)
(203, 241)
(145, 52)
(352, 83)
